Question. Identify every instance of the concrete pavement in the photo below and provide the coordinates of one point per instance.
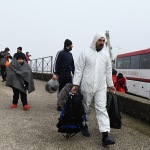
(36, 129)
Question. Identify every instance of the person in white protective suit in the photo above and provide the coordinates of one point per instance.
(93, 73)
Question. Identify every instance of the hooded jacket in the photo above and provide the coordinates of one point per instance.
(93, 69)
(120, 85)
(114, 78)
(20, 76)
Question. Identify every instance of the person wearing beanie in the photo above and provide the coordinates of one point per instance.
(67, 43)
(64, 66)
(19, 51)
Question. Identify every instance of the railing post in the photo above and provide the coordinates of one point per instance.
(31, 64)
(36, 65)
(42, 67)
(51, 64)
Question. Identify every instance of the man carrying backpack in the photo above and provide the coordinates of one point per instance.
(93, 73)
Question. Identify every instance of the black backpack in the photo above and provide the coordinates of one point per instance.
(113, 110)
(72, 116)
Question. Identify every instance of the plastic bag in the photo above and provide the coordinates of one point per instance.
(52, 86)
(7, 63)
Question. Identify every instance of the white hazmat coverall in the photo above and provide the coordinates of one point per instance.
(93, 73)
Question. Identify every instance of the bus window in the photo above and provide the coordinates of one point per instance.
(135, 62)
(126, 63)
(119, 63)
(145, 61)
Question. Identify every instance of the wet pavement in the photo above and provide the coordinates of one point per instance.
(35, 129)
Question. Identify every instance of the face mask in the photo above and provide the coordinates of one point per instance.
(70, 48)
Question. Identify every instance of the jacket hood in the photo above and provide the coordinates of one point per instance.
(96, 37)
(122, 80)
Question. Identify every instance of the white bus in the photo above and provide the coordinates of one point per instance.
(135, 66)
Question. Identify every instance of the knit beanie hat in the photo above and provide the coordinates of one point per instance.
(67, 43)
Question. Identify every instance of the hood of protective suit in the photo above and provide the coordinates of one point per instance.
(96, 37)
(93, 70)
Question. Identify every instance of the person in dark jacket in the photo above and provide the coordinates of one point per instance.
(64, 66)
(4, 56)
(19, 51)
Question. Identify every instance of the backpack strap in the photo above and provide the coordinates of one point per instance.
(69, 135)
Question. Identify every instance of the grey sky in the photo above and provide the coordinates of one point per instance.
(41, 26)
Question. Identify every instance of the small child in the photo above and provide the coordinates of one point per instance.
(121, 83)
(19, 78)
(28, 56)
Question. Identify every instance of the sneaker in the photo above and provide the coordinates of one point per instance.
(108, 141)
(85, 131)
(13, 106)
(25, 107)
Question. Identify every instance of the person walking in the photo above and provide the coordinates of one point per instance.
(4, 59)
(19, 78)
(64, 66)
(93, 73)
(28, 57)
(121, 83)
(19, 51)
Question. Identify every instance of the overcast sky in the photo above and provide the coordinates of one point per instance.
(41, 26)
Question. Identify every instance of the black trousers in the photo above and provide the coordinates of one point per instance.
(63, 80)
(16, 97)
(3, 72)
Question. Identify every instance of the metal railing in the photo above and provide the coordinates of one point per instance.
(42, 65)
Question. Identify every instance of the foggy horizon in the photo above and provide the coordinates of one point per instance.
(41, 27)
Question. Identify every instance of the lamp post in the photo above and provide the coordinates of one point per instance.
(108, 44)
